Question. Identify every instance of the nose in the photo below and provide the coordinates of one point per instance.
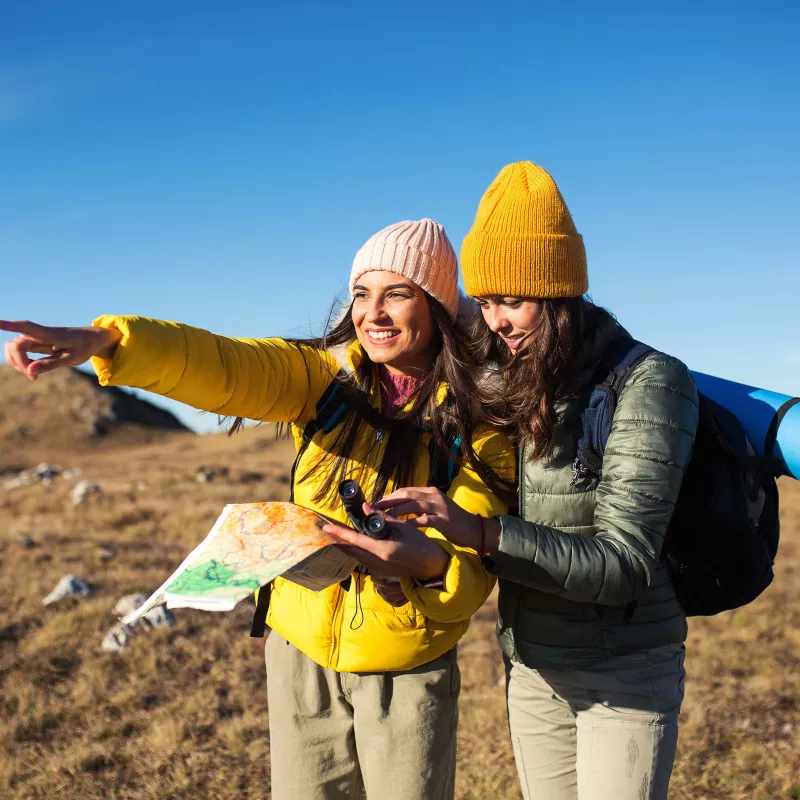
(495, 319)
(375, 311)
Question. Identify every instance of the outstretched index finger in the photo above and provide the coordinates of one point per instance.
(24, 327)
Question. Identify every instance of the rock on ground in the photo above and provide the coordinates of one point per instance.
(82, 491)
(68, 586)
(116, 640)
(125, 605)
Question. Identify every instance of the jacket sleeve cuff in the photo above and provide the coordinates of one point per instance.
(144, 344)
(516, 557)
(516, 551)
(466, 587)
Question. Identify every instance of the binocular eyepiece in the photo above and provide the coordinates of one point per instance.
(352, 498)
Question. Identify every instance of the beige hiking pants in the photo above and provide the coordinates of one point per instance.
(334, 735)
(607, 732)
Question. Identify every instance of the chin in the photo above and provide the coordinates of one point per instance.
(381, 357)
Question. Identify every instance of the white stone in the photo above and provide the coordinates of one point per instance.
(22, 479)
(158, 617)
(43, 471)
(116, 640)
(68, 586)
(82, 490)
(125, 605)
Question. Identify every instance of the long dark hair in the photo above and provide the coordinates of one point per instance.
(445, 420)
(521, 399)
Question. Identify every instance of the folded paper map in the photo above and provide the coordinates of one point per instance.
(249, 545)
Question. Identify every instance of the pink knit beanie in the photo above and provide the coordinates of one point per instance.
(418, 250)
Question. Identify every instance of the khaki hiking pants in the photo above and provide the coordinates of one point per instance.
(606, 732)
(336, 735)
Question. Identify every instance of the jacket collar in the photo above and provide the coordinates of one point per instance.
(603, 330)
(349, 357)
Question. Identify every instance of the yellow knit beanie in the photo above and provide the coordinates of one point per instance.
(523, 241)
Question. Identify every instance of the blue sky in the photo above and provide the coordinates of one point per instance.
(220, 164)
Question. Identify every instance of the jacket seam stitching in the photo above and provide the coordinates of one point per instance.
(629, 490)
(653, 423)
(588, 493)
(651, 384)
(641, 457)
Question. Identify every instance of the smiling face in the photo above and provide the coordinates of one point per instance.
(513, 319)
(393, 322)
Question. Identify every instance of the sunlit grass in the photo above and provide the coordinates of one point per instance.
(183, 713)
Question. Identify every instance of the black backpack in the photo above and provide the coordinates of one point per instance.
(331, 408)
(723, 537)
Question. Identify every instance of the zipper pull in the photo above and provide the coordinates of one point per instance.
(578, 471)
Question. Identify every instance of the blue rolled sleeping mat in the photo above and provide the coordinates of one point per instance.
(765, 416)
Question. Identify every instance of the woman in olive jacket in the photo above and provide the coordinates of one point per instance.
(590, 626)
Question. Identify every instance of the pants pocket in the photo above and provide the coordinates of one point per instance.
(626, 759)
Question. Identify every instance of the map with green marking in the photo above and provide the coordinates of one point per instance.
(199, 578)
(250, 545)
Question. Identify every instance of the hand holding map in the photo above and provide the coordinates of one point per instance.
(250, 545)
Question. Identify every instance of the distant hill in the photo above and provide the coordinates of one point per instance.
(68, 410)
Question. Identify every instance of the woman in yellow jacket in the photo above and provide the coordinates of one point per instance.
(362, 677)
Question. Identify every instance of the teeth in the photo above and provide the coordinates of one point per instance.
(381, 334)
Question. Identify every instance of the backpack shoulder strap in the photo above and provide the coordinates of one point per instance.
(444, 464)
(259, 623)
(331, 407)
(617, 363)
(600, 403)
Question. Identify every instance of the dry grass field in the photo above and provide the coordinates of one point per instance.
(183, 713)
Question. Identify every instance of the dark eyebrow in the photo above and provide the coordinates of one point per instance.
(398, 286)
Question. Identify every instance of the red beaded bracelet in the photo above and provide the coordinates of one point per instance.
(482, 551)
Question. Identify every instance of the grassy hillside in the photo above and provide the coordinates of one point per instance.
(183, 713)
(67, 411)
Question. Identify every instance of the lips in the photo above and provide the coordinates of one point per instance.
(514, 342)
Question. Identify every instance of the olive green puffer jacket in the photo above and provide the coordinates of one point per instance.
(570, 568)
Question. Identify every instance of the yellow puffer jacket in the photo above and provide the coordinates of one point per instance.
(276, 381)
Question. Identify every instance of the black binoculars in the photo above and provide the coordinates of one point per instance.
(352, 498)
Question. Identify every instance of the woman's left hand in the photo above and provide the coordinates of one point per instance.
(431, 507)
(407, 553)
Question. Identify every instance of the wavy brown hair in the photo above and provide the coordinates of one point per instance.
(445, 421)
(521, 399)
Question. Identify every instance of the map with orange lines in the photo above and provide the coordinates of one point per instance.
(249, 545)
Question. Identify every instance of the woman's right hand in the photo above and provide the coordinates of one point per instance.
(62, 347)
(430, 507)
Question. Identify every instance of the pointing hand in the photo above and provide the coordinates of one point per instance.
(62, 347)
